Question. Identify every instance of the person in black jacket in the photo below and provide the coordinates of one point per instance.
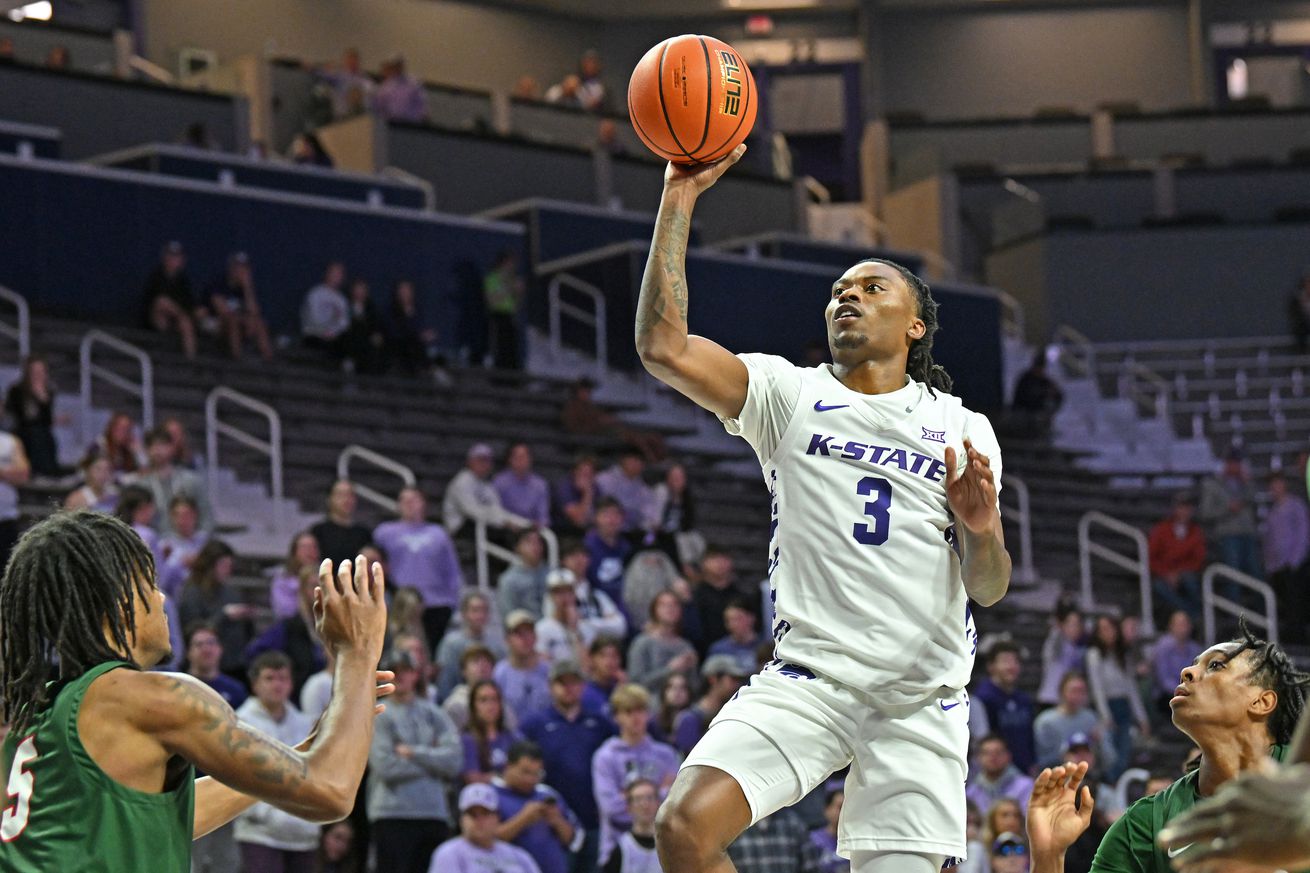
(29, 405)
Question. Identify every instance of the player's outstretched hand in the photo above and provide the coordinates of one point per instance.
(350, 611)
(1257, 818)
(701, 176)
(971, 493)
(1057, 814)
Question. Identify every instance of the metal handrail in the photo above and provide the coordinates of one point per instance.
(23, 332)
(1077, 353)
(1021, 514)
(375, 497)
(89, 370)
(1139, 565)
(1133, 376)
(272, 447)
(429, 191)
(1211, 601)
(485, 549)
(1012, 321)
(594, 319)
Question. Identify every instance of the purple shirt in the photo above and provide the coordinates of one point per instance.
(688, 728)
(524, 692)
(1287, 535)
(499, 752)
(632, 494)
(607, 562)
(401, 98)
(421, 556)
(1169, 658)
(460, 856)
(528, 496)
(537, 839)
(284, 593)
(743, 653)
(614, 765)
(827, 843)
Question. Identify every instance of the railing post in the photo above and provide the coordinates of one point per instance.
(272, 448)
(353, 451)
(144, 389)
(1139, 564)
(1022, 515)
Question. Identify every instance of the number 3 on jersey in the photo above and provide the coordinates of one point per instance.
(21, 783)
(878, 510)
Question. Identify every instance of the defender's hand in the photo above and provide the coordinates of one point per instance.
(1055, 821)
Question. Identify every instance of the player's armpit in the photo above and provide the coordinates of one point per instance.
(705, 372)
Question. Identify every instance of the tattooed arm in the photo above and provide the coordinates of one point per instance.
(697, 367)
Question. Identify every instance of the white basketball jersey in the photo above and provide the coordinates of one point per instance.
(865, 580)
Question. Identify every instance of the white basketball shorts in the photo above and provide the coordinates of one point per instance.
(788, 730)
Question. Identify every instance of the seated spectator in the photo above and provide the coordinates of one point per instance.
(503, 290)
(405, 616)
(233, 300)
(97, 491)
(1009, 708)
(1286, 550)
(723, 678)
(635, 848)
(1114, 692)
(325, 314)
(479, 847)
(336, 849)
(581, 415)
(1005, 814)
(295, 637)
(997, 777)
(599, 614)
(340, 537)
(779, 843)
(400, 97)
(608, 551)
(1010, 853)
(674, 697)
(607, 138)
(269, 838)
(470, 496)
(204, 653)
(486, 739)
(535, 817)
(1174, 652)
(475, 665)
(409, 340)
(1227, 510)
(417, 648)
(415, 757)
(526, 88)
(474, 630)
(1073, 717)
(566, 92)
(1037, 397)
(206, 597)
(522, 491)
(624, 483)
(717, 587)
(1063, 651)
(170, 303)
(630, 755)
(30, 404)
(119, 443)
(166, 481)
(523, 675)
(825, 838)
(351, 86)
(673, 518)
(284, 588)
(575, 498)
(591, 88)
(308, 150)
(523, 584)
(179, 548)
(136, 508)
(1177, 555)
(604, 673)
(184, 455)
(560, 637)
(742, 639)
(422, 557)
(658, 652)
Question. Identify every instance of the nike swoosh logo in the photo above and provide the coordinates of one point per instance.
(1174, 853)
(819, 407)
(946, 708)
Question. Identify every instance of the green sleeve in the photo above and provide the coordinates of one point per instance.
(1129, 844)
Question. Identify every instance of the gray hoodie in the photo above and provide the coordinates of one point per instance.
(413, 788)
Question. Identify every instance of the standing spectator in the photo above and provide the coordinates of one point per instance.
(1115, 692)
(717, 588)
(295, 636)
(415, 757)
(340, 537)
(624, 483)
(136, 508)
(400, 97)
(273, 841)
(608, 551)
(486, 739)
(30, 405)
(634, 851)
(325, 314)
(1177, 556)
(476, 665)
(535, 817)
(581, 415)
(569, 736)
(997, 776)
(560, 637)
(215, 852)
(170, 302)
(523, 675)
(474, 630)
(723, 677)
(526, 88)
(742, 639)
(408, 338)
(674, 697)
(778, 844)
(422, 557)
(351, 86)
(566, 92)
(1037, 397)
(166, 481)
(119, 443)
(522, 491)
(1286, 548)
(1009, 709)
(1063, 650)
(480, 846)
(1053, 727)
(364, 342)
(206, 597)
(178, 549)
(234, 302)
(523, 584)
(470, 496)
(503, 290)
(98, 491)
(284, 588)
(184, 455)
(1173, 653)
(1298, 311)
(591, 89)
(575, 497)
(673, 518)
(630, 755)
(825, 838)
(1228, 512)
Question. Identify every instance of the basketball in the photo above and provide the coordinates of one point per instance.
(692, 99)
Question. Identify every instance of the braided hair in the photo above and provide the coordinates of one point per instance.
(1273, 670)
(920, 365)
(70, 577)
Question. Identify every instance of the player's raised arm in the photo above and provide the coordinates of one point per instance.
(697, 367)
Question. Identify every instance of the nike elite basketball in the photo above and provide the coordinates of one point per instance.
(692, 99)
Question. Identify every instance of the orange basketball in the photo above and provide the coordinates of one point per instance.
(692, 99)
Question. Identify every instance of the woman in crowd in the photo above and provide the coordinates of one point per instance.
(1114, 692)
(206, 596)
(284, 589)
(675, 696)
(486, 739)
(658, 651)
(136, 507)
(1062, 652)
(1005, 815)
(673, 517)
(30, 407)
(121, 445)
(97, 491)
(575, 498)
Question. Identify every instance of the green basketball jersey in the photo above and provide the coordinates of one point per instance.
(66, 814)
(1129, 846)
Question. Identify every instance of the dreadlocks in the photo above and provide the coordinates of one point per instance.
(1273, 670)
(70, 577)
(920, 366)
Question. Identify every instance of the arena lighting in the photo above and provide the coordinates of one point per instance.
(40, 11)
(768, 5)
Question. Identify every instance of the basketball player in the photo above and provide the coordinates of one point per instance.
(100, 762)
(1239, 702)
(874, 638)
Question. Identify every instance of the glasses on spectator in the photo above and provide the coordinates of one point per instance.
(1012, 849)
